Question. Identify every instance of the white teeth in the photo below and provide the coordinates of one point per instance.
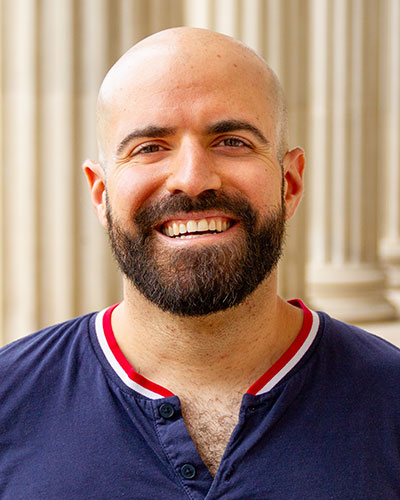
(189, 236)
(191, 226)
(179, 229)
(202, 225)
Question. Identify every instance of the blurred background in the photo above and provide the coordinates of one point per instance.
(339, 62)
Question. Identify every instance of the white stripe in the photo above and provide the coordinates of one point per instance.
(114, 363)
(296, 358)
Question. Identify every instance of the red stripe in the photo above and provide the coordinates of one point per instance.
(124, 363)
(289, 353)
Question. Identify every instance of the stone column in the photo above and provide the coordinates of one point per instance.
(389, 161)
(19, 168)
(56, 188)
(344, 276)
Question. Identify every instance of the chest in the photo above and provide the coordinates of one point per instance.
(210, 424)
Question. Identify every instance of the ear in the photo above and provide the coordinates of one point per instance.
(95, 176)
(293, 165)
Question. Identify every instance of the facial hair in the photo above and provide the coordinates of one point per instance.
(205, 279)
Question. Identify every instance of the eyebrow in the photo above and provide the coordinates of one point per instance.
(216, 128)
(150, 131)
(232, 125)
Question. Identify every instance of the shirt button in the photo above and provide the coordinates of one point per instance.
(166, 410)
(188, 471)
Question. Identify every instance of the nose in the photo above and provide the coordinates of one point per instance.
(192, 171)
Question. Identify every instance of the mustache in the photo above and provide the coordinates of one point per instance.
(235, 205)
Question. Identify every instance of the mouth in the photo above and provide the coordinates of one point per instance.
(195, 228)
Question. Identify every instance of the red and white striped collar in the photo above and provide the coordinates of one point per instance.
(265, 383)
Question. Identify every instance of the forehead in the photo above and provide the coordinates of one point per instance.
(161, 85)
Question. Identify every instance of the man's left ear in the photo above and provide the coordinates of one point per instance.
(293, 165)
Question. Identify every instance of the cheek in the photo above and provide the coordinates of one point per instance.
(131, 188)
(260, 184)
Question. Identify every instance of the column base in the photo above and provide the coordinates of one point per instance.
(355, 294)
(390, 257)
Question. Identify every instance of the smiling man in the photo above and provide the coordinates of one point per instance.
(202, 382)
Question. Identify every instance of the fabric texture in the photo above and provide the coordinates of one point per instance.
(326, 427)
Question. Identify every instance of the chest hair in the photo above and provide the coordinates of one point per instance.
(210, 423)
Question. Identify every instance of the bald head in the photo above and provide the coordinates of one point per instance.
(183, 58)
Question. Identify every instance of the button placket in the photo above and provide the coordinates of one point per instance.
(180, 449)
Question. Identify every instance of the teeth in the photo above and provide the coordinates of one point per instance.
(192, 226)
(190, 236)
(202, 225)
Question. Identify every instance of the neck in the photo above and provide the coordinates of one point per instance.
(209, 350)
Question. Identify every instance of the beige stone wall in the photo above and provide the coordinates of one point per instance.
(339, 61)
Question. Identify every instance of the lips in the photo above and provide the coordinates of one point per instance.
(194, 228)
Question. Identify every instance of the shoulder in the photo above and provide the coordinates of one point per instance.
(33, 352)
(352, 338)
(358, 355)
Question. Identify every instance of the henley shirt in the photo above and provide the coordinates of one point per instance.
(78, 423)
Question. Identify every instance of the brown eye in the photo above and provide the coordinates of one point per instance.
(233, 142)
(150, 148)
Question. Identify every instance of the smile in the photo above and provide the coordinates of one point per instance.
(196, 228)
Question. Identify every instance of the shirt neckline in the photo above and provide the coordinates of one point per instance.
(125, 371)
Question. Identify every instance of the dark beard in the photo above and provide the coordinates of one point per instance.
(206, 279)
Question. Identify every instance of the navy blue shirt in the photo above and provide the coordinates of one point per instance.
(77, 422)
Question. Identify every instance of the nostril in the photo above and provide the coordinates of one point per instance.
(193, 185)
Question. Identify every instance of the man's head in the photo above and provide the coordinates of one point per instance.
(195, 181)
(187, 51)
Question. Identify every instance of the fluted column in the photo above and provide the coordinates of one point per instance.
(19, 195)
(344, 276)
(55, 153)
(389, 164)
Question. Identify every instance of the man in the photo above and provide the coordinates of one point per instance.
(202, 382)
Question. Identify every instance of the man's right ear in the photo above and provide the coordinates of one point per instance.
(95, 176)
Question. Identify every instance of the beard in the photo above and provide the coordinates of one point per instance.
(207, 278)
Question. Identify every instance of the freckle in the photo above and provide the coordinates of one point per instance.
(219, 56)
(235, 65)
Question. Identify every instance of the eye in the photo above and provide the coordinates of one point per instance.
(233, 142)
(147, 149)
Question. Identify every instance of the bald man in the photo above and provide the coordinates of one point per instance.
(202, 383)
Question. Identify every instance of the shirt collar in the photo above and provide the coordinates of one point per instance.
(265, 383)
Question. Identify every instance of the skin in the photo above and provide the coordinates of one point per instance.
(187, 80)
